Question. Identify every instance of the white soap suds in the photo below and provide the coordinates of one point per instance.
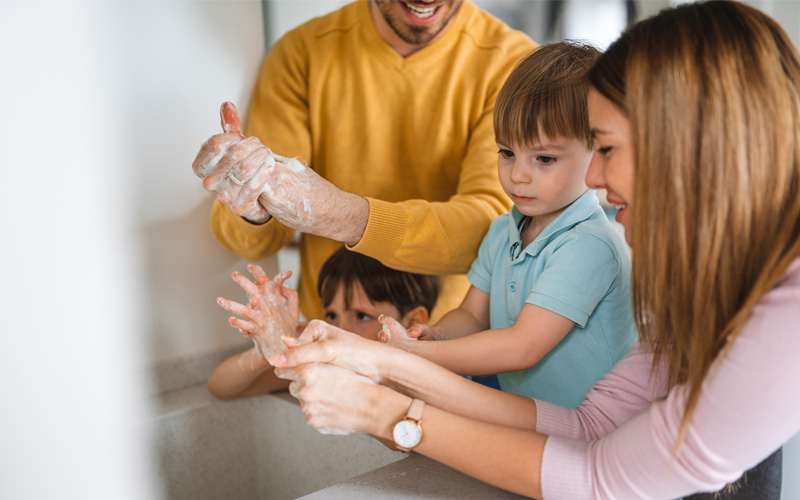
(209, 166)
(385, 329)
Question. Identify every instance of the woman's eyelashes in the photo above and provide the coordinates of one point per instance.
(604, 150)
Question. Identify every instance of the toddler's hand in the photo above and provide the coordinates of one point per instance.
(394, 334)
(421, 331)
(272, 312)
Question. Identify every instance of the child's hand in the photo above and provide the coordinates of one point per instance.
(394, 334)
(421, 331)
(273, 310)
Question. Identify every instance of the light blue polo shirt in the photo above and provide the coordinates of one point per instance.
(577, 267)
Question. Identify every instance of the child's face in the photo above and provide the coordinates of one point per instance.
(362, 315)
(542, 180)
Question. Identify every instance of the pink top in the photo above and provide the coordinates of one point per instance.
(619, 442)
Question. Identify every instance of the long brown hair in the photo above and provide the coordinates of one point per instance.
(712, 92)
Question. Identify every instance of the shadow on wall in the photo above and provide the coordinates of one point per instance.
(186, 270)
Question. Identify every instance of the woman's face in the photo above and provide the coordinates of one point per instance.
(612, 166)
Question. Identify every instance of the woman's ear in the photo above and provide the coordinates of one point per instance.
(418, 315)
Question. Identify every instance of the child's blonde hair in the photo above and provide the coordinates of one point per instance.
(545, 94)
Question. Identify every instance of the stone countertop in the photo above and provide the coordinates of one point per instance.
(207, 449)
(412, 477)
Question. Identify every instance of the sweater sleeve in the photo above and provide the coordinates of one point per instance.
(747, 408)
(622, 393)
(450, 231)
(279, 117)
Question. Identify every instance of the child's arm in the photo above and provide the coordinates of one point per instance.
(472, 316)
(273, 310)
(244, 375)
(271, 313)
(536, 331)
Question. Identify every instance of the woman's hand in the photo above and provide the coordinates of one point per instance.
(272, 313)
(335, 400)
(321, 342)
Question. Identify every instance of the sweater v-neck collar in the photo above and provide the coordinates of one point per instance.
(423, 56)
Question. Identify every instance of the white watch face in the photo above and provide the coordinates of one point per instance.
(407, 434)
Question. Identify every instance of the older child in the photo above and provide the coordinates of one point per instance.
(355, 290)
(550, 299)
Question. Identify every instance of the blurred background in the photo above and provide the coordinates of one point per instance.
(109, 269)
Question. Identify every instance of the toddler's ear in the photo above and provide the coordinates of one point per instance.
(418, 315)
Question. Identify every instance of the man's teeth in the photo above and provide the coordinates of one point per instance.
(620, 207)
(421, 13)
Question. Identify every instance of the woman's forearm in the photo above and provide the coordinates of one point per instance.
(419, 378)
(505, 457)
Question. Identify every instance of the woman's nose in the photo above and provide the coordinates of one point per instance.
(595, 177)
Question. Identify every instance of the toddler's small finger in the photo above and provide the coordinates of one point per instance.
(281, 277)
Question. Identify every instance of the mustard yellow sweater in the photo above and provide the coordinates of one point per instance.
(412, 135)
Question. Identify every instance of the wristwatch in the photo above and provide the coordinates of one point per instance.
(407, 433)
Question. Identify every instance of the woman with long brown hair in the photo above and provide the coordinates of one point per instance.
(696, 120)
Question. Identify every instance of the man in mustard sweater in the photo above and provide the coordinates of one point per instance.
(389, 103)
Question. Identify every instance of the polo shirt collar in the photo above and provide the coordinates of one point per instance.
(580, 210)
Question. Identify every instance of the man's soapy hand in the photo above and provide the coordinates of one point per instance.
(256, 184)
(272, 311)
(235, 168)
(303, 200)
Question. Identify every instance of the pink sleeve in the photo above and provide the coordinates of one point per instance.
(622, 393)
(747, 409)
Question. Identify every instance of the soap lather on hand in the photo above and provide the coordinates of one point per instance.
(272, 310)
(257, 184)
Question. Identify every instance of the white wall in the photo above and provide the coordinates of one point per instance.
(283, 15)
(185, 59)
(107, 259)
